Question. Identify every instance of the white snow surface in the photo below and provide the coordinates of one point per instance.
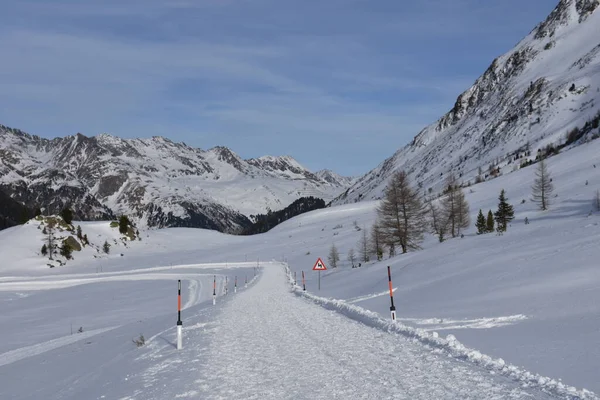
(512, 316)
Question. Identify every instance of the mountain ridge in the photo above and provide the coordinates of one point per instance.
(526, 100)
(156, 181)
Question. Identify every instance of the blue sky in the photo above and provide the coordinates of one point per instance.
(337, 84)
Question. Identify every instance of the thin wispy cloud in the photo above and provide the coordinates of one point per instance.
(337, 84)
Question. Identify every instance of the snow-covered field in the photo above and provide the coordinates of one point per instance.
(530, 297)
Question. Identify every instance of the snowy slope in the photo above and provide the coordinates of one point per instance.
(158, 182)
(528, 297)
(526, 100)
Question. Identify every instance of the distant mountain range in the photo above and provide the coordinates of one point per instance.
(157, 182)
(529, 98)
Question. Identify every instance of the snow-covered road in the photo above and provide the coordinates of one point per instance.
(270, 344)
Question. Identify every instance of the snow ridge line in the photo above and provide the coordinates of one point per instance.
(449, 346)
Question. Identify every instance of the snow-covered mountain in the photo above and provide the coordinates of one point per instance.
(527, 99)
(334, 178)
(156, 181)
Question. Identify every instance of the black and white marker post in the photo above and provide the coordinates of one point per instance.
(235, 285)
(303, 282)
(179, 323)
(226, 286)
(295, 278)
(392, 308)
(246, 282)
(215, 290)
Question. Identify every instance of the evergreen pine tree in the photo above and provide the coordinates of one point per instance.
(66, 251)
(85, 239)
(123, 224)
(79, 235)
(490, 222)
(481, 223)
(67, 215)
(106, 247)
(504, 214)
(44, 250)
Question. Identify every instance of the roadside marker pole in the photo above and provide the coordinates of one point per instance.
(246, 282)
(179, 323)
(303, 282)
(392, 308)
(294, 278)
(235, 286)
(215, 290)
(226, 286)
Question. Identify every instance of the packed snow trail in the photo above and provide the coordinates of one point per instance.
(270, 344)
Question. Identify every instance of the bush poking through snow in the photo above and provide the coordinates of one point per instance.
(140, 341)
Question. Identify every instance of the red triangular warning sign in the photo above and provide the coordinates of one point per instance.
(319, 265)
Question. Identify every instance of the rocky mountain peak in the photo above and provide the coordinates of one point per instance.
(527, 99)
(155, 181)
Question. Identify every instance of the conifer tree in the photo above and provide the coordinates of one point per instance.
(66, 251)
(542, 187)
(44, 250)
(123, 224)
(334, 256)
(490, 222)
(79, 235)
(67, 215)
(363, 246)
(438, 222)
(106, 247)
(455, 207)
(504, 214)
(85, 239)
(50, 227)
(463, 220)
(376, 242)
(481, 223)
(392, 250)
(401, 214)
(352, 257)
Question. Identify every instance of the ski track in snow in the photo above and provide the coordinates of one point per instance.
(369, 296)
(438, 324)
(270, 344)
(40, 348)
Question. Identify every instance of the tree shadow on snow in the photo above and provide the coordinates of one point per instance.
(566, 209)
